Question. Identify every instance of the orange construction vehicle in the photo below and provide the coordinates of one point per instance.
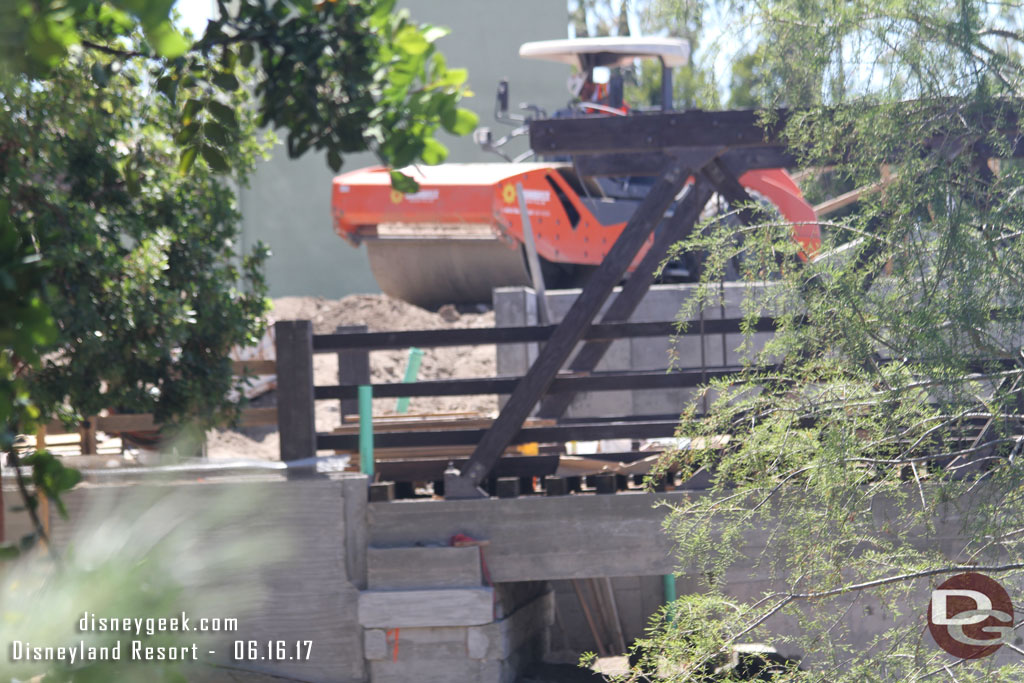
(461, 234)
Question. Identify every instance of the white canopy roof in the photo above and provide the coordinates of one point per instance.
(675, 51)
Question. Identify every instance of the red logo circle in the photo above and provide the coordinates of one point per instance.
(970, 615)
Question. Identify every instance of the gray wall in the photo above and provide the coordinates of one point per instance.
(290, 560)
(287, 205)
(517, 306)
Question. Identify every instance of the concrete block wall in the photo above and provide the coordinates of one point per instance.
(518, 306)
(429, 617)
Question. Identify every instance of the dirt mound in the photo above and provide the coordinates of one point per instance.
(379, 313)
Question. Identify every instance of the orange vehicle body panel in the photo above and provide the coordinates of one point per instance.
(486, 194)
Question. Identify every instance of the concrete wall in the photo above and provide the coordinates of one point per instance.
(517, 306)
(288, 203)
(345, 574)
(293, 578)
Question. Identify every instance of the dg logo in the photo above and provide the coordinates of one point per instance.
(970, 616)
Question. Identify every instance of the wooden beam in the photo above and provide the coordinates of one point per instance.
(678, 131)
(672, 230)
(295, 403)
(376, 341)
(569, 383)
(654, 162)
(637, 429)
(564, 339)
(254, 367)
(654, 132)
(353, 368)
(433, 469)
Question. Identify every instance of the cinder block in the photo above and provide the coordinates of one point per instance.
(423, 567)
(416, 643)
(416, 608)
(498, 640)
(436, 671)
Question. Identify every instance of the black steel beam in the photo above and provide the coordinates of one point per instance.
(572, 328)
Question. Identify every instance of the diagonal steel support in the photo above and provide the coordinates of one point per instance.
(673, 229)
(564, 339)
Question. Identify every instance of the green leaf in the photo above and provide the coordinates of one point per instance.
(433, 152)
(225, 81)
(452, 78)
(166, 40)
(433, 33)
(168, 86)
(411, 41)
(188, 157)
(463, 122)
(334, 159)
(246, 54)
(215, 158)
(403, 183)
(99, 74)
(217, 133)
(186, 134)
(223, 113)
(191, 108)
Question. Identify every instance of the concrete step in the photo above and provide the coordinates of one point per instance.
(423, 567)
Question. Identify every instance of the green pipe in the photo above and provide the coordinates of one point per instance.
(366, 429)
(412, 371)
(669, 584)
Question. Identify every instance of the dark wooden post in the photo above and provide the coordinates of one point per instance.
(564, 338)
(353, 368)
(295, 405)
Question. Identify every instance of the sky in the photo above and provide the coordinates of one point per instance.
(195, 14)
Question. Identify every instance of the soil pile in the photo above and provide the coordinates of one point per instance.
(379, 313)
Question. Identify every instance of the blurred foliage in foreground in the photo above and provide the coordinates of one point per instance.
(875, 443)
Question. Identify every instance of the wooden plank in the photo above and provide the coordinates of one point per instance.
(431, 425)
(426, 567)
(640, 429)
(295, 403)
(598, 381)
(88, 430)
(673, 229)
(432, 470)
(563, 340)
(259, 417)
(651, 163)
(254, 367)
(418, 608)
(743, 159)
(735, 129)
(141, 422)
(353, 368)
(653, 132)
(329, 343)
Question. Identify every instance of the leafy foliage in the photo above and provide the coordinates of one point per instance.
(138, 249)
(121, 284)
(874, 442)
(143, 279)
